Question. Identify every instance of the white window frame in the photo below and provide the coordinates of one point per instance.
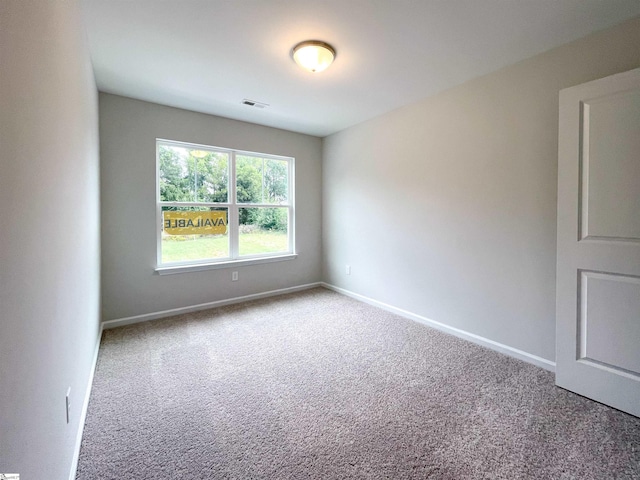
(232, 206)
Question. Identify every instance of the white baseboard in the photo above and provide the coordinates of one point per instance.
(472, 337)
(83, 412)
(204, 306)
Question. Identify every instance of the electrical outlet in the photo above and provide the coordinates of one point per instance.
(348, 269)
(234, 276)
(68, 404)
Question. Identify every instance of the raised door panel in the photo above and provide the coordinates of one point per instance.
(609, 322)
(610, 167)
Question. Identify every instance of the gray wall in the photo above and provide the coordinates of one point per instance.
(49, 240)
(128, 131)
(447, 207)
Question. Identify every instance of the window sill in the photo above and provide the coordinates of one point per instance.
(229, 264)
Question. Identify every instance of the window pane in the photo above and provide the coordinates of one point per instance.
(262, 180)
(192, 175)
(276, 181)
(263, 230)
(249, 179)
(194, 233)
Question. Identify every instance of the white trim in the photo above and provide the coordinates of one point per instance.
(472, 337)
(232, 207)
(204, 306)
(233, 223)
(168, 270)
(291, 211)
(213, 148)
(85, 407)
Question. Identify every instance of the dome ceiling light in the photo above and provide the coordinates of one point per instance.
(313, 55)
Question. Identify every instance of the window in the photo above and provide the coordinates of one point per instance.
(217, 205)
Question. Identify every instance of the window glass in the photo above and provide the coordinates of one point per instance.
(263, 230)
(200, 222)
(194, 233)
(261, 180)
(249, 173)
(275, 181)
(192, 175)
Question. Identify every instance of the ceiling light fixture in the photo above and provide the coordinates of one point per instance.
(313, 55)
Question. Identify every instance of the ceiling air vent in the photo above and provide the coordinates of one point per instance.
(253, 103)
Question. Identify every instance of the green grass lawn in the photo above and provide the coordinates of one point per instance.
(216, 246)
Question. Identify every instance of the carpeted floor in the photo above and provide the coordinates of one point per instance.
(315, 385)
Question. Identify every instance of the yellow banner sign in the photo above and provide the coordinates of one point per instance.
(194, 223)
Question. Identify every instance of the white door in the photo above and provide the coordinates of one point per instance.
(598, 263)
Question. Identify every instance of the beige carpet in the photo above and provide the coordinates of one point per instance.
(316, 385)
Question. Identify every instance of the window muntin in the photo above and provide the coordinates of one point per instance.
(217, 205)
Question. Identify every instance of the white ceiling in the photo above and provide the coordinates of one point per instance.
(208, 55)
